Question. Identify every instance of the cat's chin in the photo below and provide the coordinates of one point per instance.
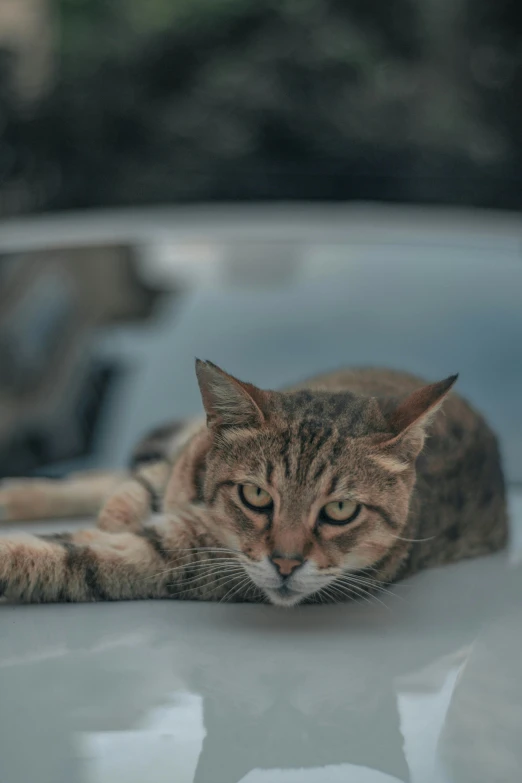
(284, 597)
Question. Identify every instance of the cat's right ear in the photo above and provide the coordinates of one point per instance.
(229, 402)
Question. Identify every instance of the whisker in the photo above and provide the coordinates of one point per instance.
(347, 579)
(364, 593)
(345, 591)
(254, 591)
(220, 581)
(206, 561)
(371, 583)
(354, 592)
(414, 540)
(208, 574)
(191, 565)
(224, 579)
(362, 579)
(358, 594)
(236, 588)
(213, 568)
(380, 589)
(367, 568)
(332, 594)
(206, 549)
(363, 575)
(319, 596)
(337, 596)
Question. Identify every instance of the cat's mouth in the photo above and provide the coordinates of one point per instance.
(280, 592)
(284, 595)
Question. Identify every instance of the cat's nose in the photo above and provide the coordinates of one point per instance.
(285, 565)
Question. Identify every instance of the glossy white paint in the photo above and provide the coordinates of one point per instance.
(426, 688)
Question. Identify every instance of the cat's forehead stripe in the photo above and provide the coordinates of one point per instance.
(333, 485)
(349, 411)
(321, 468)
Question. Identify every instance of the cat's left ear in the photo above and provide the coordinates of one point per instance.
(229, 402)
(408, 420)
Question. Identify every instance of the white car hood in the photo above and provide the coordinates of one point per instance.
(425, 688)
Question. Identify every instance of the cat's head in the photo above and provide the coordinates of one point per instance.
(310, 484)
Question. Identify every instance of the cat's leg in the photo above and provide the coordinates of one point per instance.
(86, 566)
(160, 484)
(179, 558)
(77, 495)
(132, 502)
(122, 501)
(84, 494)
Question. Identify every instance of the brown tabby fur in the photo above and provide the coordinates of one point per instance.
(352, 435)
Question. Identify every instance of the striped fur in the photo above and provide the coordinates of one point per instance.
(356, 436)
(176, 558)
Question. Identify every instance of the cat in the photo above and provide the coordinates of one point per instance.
(328, 491)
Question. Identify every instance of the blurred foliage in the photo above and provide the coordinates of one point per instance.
(182, 100)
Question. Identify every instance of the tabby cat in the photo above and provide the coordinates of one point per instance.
(330, 490)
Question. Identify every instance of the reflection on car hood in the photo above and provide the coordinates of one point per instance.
(425, 689)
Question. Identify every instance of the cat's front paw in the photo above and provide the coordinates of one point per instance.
(126, 510)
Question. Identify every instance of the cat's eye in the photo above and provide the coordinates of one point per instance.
(255, 497)
(340, 512)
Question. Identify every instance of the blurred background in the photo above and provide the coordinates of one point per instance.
(283, 187)
(131, 102)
